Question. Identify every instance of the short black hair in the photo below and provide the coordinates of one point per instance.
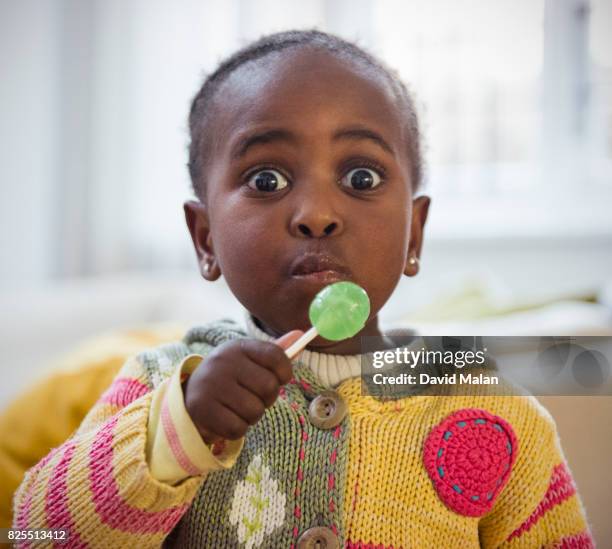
(201, 105)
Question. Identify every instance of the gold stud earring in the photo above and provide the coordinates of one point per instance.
(413, 262)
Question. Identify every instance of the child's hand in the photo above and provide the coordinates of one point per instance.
(234, 385)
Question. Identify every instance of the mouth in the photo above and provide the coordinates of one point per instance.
(320, 268)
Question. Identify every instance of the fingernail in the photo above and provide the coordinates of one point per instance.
(287, 339)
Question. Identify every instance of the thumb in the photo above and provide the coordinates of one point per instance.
(285, 341)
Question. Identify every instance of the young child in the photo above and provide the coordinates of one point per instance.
(305, 158)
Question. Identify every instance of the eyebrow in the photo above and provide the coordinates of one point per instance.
(359, 133)
(268, 136)
(274, 135)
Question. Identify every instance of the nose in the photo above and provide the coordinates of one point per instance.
(306, 230)
(315, 217)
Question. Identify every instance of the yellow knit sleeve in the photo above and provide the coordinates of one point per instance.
(98, 485)
(540, 506)
(175, 449)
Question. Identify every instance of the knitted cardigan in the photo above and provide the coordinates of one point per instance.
(419, 471)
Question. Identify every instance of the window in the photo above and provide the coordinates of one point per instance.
(515, 99)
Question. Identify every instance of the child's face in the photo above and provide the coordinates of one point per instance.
(295, 138)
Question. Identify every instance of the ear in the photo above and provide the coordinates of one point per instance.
(420, 209)
(196, 215)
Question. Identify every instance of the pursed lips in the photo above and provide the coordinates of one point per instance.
(320, 266)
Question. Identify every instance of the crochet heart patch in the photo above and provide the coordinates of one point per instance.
(469, 457)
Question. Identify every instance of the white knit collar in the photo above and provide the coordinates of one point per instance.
(331, 370)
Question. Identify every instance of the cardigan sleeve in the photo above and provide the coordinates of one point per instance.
(541, 506)
(98, 485)
(175, 449)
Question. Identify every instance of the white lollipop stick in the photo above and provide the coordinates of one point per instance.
(299, 345)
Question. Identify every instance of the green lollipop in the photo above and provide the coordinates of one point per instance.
(338, 311)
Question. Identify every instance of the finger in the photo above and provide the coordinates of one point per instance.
(260, 381)
(270, 356)
(224, 423)
(246, 405)
(285, 341)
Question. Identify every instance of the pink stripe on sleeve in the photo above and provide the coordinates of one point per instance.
(23, 515)
(560, 488)
(579, 541)
(123, 391)
(367, 545)
(56, 502)
(175, 443)
(109, 504)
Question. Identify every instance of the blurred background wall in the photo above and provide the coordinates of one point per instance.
(515, 98)
(516, 101)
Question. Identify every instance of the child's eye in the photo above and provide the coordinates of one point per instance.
(267, 181)
(361, 178)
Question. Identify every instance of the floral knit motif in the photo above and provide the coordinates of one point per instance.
(258, 507)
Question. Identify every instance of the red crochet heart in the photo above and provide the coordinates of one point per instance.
(469, 457)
